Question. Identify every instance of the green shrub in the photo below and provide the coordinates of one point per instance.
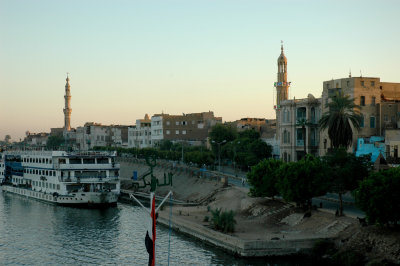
(206, 219)
(348, 258)
(223, 221)
(323, 247)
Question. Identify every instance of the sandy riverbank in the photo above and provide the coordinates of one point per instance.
(264, 227)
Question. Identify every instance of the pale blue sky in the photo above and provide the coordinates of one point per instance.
(128, 58)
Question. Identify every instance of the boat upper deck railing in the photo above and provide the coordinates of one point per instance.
(57, 152)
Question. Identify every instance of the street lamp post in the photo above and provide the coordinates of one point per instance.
(234, 158)
(219, 152)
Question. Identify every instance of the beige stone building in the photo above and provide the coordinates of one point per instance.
(261, 125)
(36, 139)
(191, 128)
(96, 134)
(379, 102)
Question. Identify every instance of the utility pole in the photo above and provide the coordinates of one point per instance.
(219, 153)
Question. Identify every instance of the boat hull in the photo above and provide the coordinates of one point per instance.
(78, 199)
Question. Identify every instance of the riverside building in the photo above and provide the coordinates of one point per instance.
(378, 101)
(191, 128)
(296, 120)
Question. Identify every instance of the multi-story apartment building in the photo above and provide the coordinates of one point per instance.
(298, 127)
(378, 101)
(96, 134)
(191, 128)
(39, 139)
(139, 136)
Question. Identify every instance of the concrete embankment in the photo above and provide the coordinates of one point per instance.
(264, 227)
(235, 245)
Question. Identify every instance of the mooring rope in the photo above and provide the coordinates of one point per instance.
(170, 228)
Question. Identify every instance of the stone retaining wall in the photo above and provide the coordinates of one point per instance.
(239, 247)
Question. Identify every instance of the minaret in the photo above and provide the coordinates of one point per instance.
(281, 85)
(67, 109)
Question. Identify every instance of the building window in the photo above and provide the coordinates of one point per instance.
(167, 123)
(168, 132)
(348, 83)
(313, 115)
(372, 122)
(362, 83)
(184, 132)
(373, 101)
(385, 118)
(372, 83)
(177, 123)
(177, 132)
(362, 100)
(300, 137)
(301, 113)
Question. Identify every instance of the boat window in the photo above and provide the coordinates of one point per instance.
(75, 161)
(102, 160)
(88, 161)
(47, 160)
(50, 161)
(102, 174)
(47, 172)
(61, 161)
(86, 174)
(58, 187)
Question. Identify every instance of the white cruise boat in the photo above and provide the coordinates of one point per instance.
(81, 179)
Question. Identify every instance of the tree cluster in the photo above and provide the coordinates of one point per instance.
(310, 177)
(378, 196)
(243, 149)
(197, 155)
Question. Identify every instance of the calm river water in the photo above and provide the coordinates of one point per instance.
(37, 233)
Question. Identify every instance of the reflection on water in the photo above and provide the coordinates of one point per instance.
(37, 233)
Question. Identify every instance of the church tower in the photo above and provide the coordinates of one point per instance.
(281, 85)
(67, 109)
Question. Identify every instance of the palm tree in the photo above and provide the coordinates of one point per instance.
(343, 113)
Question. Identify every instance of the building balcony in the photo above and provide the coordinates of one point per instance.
(300, 142)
